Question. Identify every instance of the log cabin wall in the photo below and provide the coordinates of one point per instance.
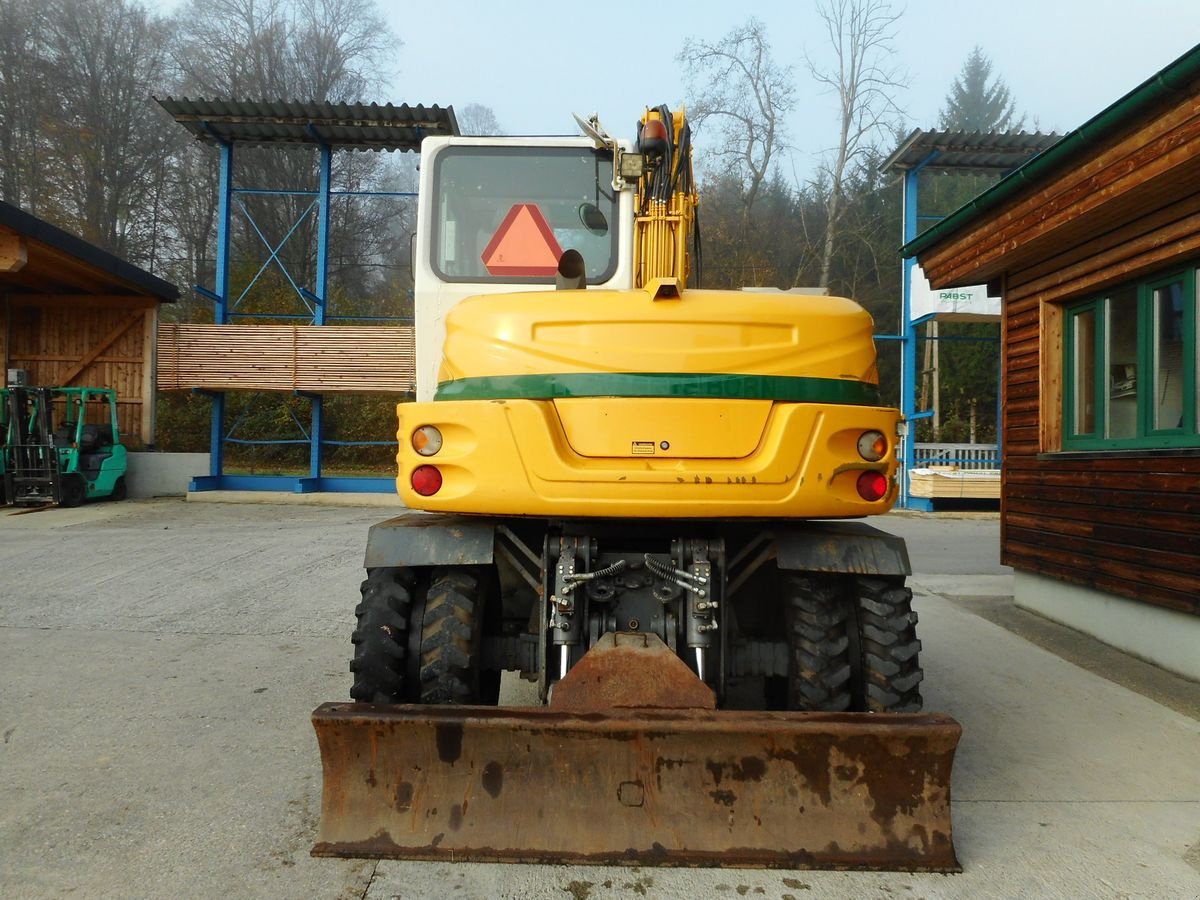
(1126, 522)
(1125, 209)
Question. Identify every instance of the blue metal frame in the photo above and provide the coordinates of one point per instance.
(317, 313)
(908, 347)
(323, 241)
(293, 484)
(908, 339)
(273, 257)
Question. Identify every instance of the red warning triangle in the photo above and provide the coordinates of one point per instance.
(523, 245)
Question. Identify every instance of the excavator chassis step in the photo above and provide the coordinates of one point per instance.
(662, 787)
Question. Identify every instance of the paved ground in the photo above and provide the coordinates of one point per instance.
(158, 662)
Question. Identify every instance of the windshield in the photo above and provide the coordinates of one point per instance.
(508, 213)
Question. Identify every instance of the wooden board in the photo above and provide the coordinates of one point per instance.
(320, 359)
(948, 483)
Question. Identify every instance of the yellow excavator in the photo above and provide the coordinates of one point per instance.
(636, 493)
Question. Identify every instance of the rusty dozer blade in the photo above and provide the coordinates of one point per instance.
(651, 786)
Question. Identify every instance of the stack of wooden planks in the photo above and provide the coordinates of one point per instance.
(321, 359)
(953, 483)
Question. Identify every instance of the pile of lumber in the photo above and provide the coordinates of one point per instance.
(321, 359)
(953, 483)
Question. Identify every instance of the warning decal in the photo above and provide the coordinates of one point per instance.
(523, 245)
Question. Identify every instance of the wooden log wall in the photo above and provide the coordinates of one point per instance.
(88, 341)
(1127, 523)
(1129, 205)
(320, 359)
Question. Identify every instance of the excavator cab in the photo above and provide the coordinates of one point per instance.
(638, 494)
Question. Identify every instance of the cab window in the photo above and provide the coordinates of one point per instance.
(506, 214)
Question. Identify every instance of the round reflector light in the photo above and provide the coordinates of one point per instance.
(426, 480)
(427, 440)
(872, 446)
(872, 486)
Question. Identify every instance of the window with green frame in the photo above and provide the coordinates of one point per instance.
(1130, 367)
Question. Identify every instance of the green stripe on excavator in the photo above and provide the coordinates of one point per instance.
(782, 388)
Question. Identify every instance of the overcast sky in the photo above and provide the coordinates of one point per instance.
(535, 62)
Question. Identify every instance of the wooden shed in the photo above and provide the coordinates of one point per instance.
(72, 314)
(1094, 246)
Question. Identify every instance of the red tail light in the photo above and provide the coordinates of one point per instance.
(426, 480)
(872, 486)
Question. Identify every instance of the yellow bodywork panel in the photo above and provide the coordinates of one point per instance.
(648, 426)
(599, 332)
(514, 457)
(653, 403)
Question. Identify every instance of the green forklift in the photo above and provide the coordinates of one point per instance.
(4, 441)
(61, 445)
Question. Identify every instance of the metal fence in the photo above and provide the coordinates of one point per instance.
(965, 456)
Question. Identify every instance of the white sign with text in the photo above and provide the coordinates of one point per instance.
(960, 304)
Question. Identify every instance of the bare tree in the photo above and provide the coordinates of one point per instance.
(283, 49)
(865, 82)
(234, 48)
(475, 118)
(189, 224)
(323, 50)
(737, 86)
(108, 144)
(26, 96)
(340, 47)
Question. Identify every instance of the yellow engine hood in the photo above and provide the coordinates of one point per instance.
(595, 343)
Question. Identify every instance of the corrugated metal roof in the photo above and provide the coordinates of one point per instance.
(357, 126)
(969, 152)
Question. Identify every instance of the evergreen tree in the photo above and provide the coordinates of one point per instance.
(975, 105)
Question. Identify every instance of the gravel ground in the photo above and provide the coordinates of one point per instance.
(159, 660)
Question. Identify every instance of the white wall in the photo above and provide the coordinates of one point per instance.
(1164, 637)
(163, 474)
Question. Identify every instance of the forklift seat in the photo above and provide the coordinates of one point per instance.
(64, 434)
(95, 437)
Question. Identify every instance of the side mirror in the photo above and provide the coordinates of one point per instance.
(593, 219)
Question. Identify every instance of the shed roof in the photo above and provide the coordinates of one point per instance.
(355, 126)
(1074, 146)
(968, 152)
(58, 262)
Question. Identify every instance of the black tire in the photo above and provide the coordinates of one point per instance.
(73, 490)
(381, 638)
(819, 672)
(891, 670)
(452, 640)
(120, 490)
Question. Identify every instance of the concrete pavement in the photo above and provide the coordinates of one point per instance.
(159, 659)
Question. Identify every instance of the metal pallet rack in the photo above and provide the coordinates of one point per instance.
(329, 127)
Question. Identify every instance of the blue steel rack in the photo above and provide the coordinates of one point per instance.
(328, 126)
(991, 153)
